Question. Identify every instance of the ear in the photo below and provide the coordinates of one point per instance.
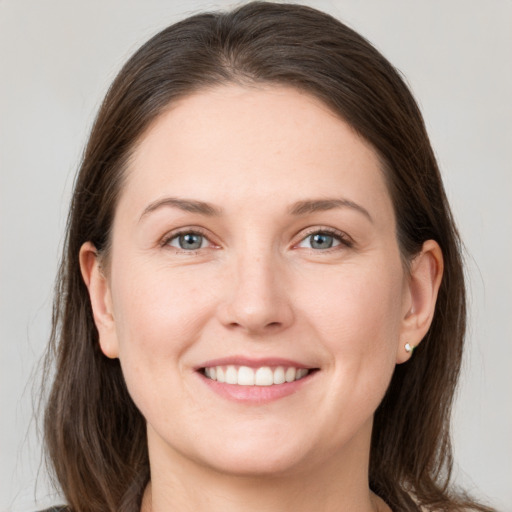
(101, 299)
(425, 274)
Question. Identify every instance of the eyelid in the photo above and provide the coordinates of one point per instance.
(196, 230)
(341, 236)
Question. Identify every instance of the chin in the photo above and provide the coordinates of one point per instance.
(256, 463)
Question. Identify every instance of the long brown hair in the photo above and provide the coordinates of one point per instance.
(95, 436)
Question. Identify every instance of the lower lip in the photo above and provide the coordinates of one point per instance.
(256, 394)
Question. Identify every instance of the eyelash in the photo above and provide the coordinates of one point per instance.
(340, 236)
(166, 240)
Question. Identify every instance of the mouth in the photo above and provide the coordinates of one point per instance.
(255, 381)
(263, 376)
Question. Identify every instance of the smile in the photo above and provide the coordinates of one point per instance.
(247, 376)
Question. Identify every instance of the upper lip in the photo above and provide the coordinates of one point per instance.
(253, 362)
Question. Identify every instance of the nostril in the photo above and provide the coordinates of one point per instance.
(270, 324)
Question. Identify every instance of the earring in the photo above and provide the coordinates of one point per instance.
(409, 348)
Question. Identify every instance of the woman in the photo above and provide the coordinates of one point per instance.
(261, 296)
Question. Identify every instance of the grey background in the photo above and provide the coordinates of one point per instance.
(57, 57)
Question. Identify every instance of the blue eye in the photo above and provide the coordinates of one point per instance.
(189, 241)
(320, 240)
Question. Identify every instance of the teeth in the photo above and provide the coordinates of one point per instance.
(231, 375)
(246, 376)
(301, 372)
(264, 376)
(279, 377)
(289, 375)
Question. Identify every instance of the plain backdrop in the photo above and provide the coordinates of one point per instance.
(57, 58)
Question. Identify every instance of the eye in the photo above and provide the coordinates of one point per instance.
(319, 240)
(324, 240)
(188, 241)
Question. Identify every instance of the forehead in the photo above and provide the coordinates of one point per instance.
(234, 144)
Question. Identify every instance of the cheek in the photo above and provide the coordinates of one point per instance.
(358, 320)
(158, 315)
(356, 302)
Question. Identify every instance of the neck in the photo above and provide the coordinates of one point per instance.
(256, 500)
(338, 483)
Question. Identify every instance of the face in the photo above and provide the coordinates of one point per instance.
(255, 294)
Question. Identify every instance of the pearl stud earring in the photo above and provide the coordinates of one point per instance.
(409, 348)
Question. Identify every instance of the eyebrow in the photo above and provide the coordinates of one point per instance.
(320, 205)
(187, 205)
(298, 208)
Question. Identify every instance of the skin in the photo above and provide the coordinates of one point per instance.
(257, 288)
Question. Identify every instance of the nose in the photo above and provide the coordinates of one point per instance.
(258, 299)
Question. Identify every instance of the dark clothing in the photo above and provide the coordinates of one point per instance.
(61, 508)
